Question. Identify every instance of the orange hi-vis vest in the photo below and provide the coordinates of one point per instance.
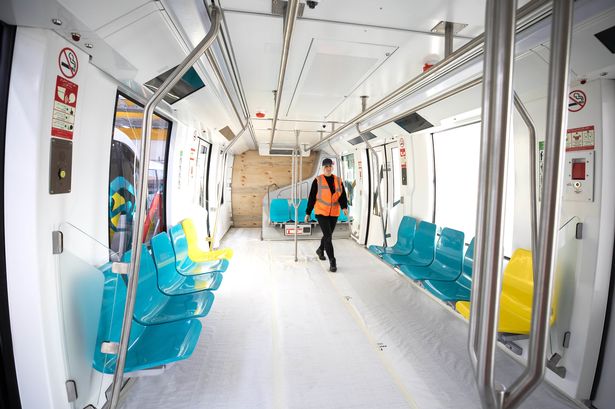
(326, 203)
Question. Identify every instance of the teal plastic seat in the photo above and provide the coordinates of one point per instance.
(313, 216)
(183, 263)
(300, 211)
(342, 217)
(458, 290)
(149, 346)
(423, 247)
(279, 211)
(171, 281)
(153, 306)
(447, 262)
(405, 238)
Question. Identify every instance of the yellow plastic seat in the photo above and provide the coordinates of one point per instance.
(516, 296)
(195, 253)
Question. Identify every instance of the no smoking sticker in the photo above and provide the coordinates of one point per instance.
(68, 62)
(576, 100)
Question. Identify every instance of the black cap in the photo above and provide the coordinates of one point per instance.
(327, 162)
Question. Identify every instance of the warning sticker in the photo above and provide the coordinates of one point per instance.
(576, 100)
(403, 161)
(64, 106)
(580, 139)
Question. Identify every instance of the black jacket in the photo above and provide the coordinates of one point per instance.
(343, 200)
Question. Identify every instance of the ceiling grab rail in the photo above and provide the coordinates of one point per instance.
(137, 233)
(496, 121)
(229, 59)
(220, 188)
(292, 9)
(528, 15)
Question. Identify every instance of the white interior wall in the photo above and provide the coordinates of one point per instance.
(34, 276)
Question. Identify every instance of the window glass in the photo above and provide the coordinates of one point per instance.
(456, 160)
(125, 152)
(457, 154)
(378, 176)
(349, 176)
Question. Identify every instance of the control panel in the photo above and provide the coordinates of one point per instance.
(579, 176)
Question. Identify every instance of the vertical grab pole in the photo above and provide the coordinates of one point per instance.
(137, 231)
(339, 167)
(296, 200)
(496, 110)
(561, 28)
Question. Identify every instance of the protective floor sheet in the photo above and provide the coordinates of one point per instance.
(285, 334)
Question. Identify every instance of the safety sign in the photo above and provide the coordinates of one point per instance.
(68, 62)
(581, 139)
(403, 161)
(576, 100)
(64, 106)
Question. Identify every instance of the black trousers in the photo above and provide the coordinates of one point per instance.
(327, 225)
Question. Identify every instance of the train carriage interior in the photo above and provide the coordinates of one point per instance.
(169, 220)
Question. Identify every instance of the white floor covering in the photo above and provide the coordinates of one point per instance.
(285, 334)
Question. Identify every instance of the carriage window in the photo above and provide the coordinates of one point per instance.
(125, 151)
(457, 159)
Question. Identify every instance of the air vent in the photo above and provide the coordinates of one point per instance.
(607, 37)
(359, 139)
(285, 152)
(227, 133)
(413, 123)
(189, 83)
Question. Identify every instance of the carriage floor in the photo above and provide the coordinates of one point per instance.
(285, 334)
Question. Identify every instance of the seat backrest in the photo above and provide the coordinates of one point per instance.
(180, 245)
(468, 264)
(518, 277)
(164, 259)
(406, 232)
(424, 241)
(279, 211)
(449, 254)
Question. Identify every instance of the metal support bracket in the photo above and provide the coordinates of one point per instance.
(110, 347)
(57, 240)
(71, 390)
(552, 365)
(120, 268)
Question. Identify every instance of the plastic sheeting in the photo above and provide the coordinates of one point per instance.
(286, 334)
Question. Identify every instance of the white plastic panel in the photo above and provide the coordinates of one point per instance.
(94, 16)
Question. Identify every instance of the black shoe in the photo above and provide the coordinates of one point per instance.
(321, 254)
(332, 265)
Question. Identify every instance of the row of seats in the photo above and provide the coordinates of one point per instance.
(174, 289)
(282, 211)
(439, 263)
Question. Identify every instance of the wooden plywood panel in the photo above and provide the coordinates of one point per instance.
(252, 174)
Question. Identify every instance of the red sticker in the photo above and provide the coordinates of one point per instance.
(576, 100)
(64, 107)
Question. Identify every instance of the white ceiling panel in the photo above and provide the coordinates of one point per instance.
(96, 13)
(333, 70)
(400, 14)
(149, 45)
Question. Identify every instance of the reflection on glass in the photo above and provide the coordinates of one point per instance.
(125, 151)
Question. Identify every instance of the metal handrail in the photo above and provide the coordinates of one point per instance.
(486, 287)
(561, 32)
(292, 9)
(296, 176)
(135, 259)
(527, 119)
(229, 59)
(527, 15)
(496, 109)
